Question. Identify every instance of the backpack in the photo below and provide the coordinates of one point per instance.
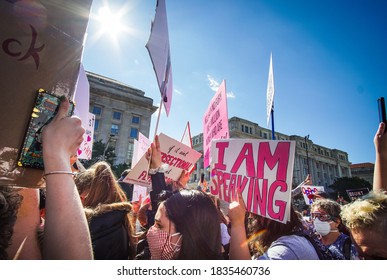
(322, 254)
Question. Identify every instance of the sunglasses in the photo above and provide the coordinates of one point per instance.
(321, 217)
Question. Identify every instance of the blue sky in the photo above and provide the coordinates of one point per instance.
(329, 60)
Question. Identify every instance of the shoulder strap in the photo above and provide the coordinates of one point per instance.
(312, 241)
(347, 248)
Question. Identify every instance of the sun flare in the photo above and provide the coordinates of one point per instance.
(110, 22)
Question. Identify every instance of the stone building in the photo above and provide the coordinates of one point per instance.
(121, 112)
(363, 170)
(324, 164)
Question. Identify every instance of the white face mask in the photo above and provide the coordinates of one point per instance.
(323, 228)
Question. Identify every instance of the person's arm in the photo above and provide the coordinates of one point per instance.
(66, 230)
(297, 190)
(239, 249)
(26, 226)
(380, 169)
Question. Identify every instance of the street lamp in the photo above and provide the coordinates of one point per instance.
(107, 146)
(306, 147)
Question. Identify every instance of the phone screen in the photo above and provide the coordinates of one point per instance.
(45, 108)
(382, 110)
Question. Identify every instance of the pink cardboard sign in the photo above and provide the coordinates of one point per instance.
(215, 121)
(261, 169)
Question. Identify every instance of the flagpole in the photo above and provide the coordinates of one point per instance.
(158, 117)
(272, 124)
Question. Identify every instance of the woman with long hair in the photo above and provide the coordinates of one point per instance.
(107, 211)
(186, 228)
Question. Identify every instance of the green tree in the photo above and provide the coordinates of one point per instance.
(341, 185)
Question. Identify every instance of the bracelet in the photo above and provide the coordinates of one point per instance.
(57, 172)
(161, 169)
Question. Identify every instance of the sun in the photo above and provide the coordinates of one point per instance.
(110, 22)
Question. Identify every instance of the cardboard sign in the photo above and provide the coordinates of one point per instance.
(356, 193)
(41, 45)
(308, 190)
(86, 149)
(139, 191)
(178, 156)
(215, 121)
(261, 169)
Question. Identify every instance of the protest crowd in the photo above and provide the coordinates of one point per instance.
(87, 215)
(90, 214)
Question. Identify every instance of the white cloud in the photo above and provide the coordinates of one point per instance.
(214, 84)
(177, 91)
(230, 94)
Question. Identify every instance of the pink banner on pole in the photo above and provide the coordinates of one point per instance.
(215, 121)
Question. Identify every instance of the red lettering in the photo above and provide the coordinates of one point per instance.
(221, 146)
(245, 154)
(280, 157)
(280, 204)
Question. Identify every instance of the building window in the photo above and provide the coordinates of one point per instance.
(114, 129)
(97, 110)
(133, 132)
(250, 130)
(136, 119)
(265, 135)
(117, 115)
(96, 124)
(130, 152)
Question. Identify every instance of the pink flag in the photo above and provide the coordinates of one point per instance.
(159, 52)
(215, 121)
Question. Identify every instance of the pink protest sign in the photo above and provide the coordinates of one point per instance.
(215, 121)
(261, 169)
(86, 148)
(178, 156)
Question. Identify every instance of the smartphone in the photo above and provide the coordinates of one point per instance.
(382, 110)
(45, 108)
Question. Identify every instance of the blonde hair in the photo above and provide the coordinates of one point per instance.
(368, 212)
(100, 185)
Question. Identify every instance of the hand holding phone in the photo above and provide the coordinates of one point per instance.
(45, 108)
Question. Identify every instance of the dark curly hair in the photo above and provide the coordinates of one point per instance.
(10, 201)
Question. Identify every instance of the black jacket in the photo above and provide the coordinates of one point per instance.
(108, 226)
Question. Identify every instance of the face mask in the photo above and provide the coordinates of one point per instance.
(160, 245)
(323, 228)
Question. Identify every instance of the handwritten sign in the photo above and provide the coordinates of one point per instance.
(139, 191)
(86, 148)
(261, 169)
(178, 156)
(309, 190)
(215, 121)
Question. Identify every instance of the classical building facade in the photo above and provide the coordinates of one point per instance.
(324, 164)
(121, 112)
(363, 170)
